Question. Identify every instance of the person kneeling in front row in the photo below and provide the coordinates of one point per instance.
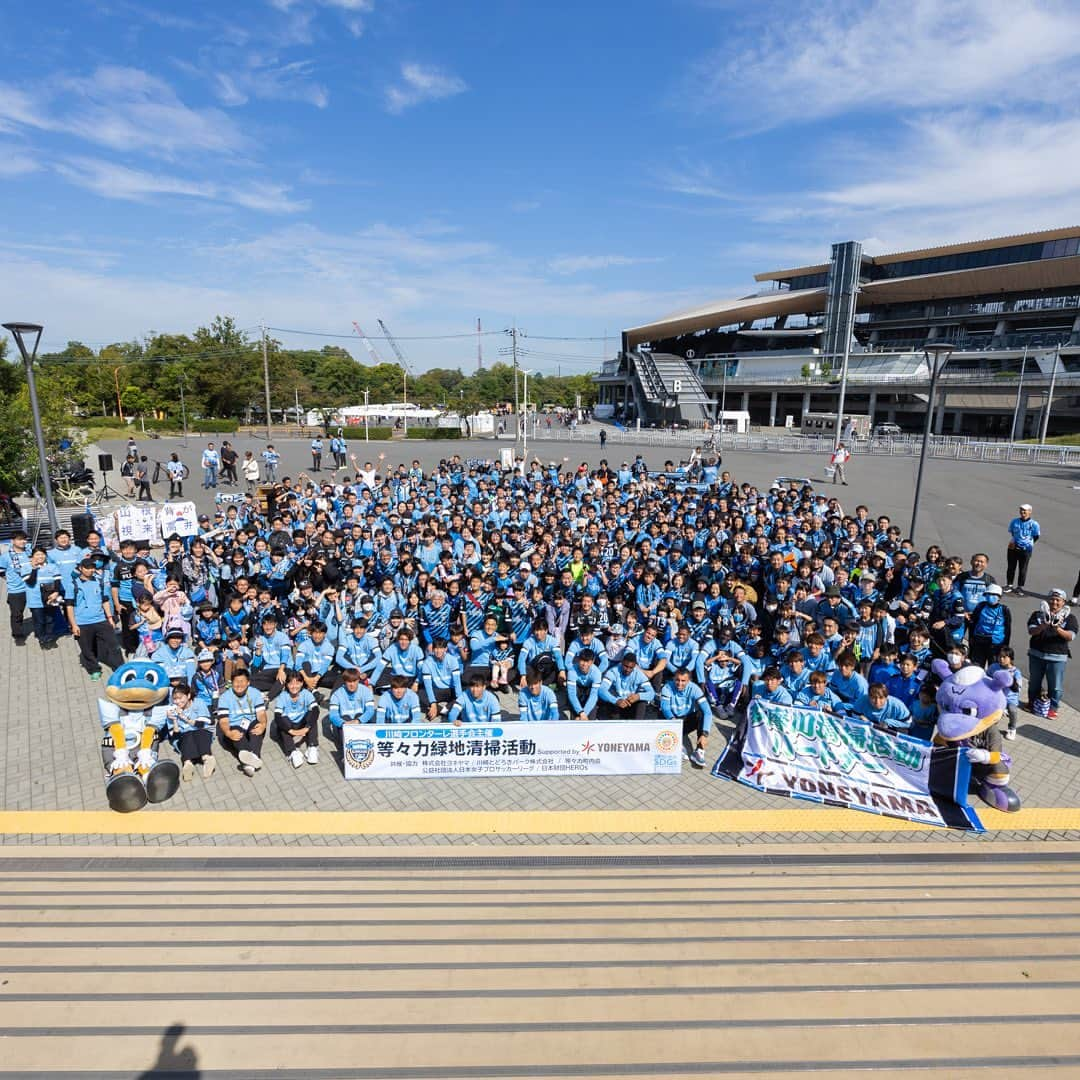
(242, 721)
(296, 720)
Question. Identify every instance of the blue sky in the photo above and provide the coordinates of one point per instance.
(576, 167)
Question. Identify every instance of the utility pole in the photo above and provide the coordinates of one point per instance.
(367, 396)
(517, 403)
(479, 347)
(266, 385)
(183, 408)
(525, 418)
(1049, 396)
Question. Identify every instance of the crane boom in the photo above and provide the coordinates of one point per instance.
(372, 351)
(394, 345)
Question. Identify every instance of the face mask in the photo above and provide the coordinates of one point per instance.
(955, 658)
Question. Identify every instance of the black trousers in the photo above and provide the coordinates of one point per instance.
(247, 741)
(17, 609)
(611, 711)
(265, 679)
(129, 638)
(97, 646)
(446, 696)
(195, 745)
(310, 721)
(1016, 565)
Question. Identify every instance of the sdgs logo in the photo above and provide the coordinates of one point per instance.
(666, 742)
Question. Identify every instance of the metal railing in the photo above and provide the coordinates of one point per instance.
(956, 448)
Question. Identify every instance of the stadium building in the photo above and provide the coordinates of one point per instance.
(1009, 307)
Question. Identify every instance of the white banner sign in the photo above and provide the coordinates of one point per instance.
(179, 519)
(135, 522)
(573, 748)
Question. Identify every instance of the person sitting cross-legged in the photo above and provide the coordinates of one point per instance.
(296, 721)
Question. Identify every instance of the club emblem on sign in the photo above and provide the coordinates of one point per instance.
(359, 753)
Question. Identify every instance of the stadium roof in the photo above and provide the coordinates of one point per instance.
(933, 252)
(985, 281)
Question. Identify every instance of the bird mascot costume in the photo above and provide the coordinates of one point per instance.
(134, 718)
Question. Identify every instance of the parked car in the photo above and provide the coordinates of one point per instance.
(887, 431)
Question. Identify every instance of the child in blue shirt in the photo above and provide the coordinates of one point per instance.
(1006, 661)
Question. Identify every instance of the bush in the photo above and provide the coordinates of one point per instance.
(435, 433)
(356, 434)
(225, 427)
(90, 422)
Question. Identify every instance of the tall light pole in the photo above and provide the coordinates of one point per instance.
(20, 332)
(723, 402)
(266, 385)
(367, 395)
(1049, 396)
(937, 355)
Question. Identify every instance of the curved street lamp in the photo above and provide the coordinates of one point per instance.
(22, 332)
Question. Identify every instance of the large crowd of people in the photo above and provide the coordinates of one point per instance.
(399, 595)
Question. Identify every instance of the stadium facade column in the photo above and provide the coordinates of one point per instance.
(772, 409)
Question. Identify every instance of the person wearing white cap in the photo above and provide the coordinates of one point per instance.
(1052, 628)
(1024, 534)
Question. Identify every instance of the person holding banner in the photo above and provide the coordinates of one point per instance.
(770, 688)
(877, 707)
(680, 700)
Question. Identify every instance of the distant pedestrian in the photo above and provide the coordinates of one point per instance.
(251, 472)
(127, 471)
(271, 459)
(142, 480)
(1024, 534)
(176, 470)
(316, 454)
(229, 458)
(603, 438)
(211, 459)
(841, 456)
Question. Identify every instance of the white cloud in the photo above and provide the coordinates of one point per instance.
(576, 264)
(419, 84)
(16, 163)
(114, 181)
(794, 63)
(122, 108)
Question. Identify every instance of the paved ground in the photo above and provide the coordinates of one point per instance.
(51, 761)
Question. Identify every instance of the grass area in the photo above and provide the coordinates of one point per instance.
(1060, 440)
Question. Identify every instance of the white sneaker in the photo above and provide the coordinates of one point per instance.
(1076, 599)
(1010, 734)
(313, 755)
(250, 759)
(208, 766)
(248, 770)
(698, 758)
(297, 759)
(188, 771)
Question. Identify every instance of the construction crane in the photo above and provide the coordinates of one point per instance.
(394, 345)
(406, 371)
(372, 351)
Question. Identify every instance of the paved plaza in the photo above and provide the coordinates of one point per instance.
(51, 760)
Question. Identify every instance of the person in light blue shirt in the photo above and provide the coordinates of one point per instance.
(625, 691)
(191, 731)
(15, 566)
(315, 659)
(680, 700)
(351, 703)
(845, 682)
(684, 652)
(440, 680)
(906, 683)
(399, 704)
(770, 688)
(92, 620)
(817, 695)
(536, 702)
(271, 656)
(43, 593)
(796, 677)
(583, 679)
(296, 720)
(586, 639)
(360, 650)
(1024, 533)
(541, 652)
(65, 556)
(242, 721)
(404, 657)
(211, 462)
(175, 656)
(878, 708)
(1006, 661)
(478, 706)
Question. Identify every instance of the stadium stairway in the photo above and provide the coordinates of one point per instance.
(778, 960)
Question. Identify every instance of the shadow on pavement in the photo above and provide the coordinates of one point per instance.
(1053, 739)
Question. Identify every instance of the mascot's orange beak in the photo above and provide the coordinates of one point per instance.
(136, 697)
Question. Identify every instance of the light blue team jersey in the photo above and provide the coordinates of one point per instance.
(241, 710)
(16, 566)
(355, 708)
(482, 710)
(537, 707)
(294, 709)
(392, 710)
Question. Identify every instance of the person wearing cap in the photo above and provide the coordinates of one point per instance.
(209, 681)
(990, 626)
(92, 620)
(1051, 629)
(176, 656)
(1024, 533)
